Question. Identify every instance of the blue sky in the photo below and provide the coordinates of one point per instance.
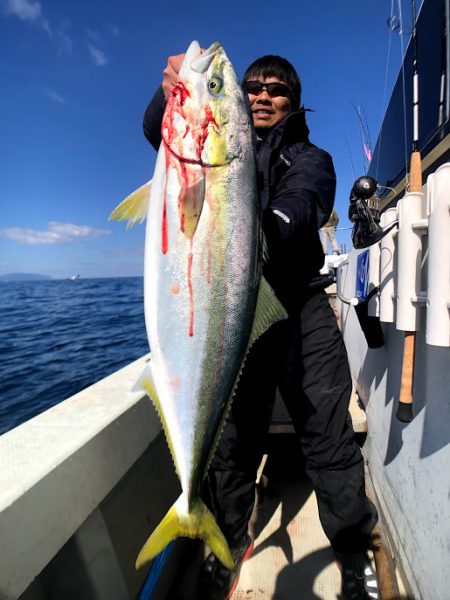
(75, 81)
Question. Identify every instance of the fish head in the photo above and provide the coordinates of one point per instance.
(206, 116)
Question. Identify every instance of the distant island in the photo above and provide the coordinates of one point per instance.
(23, 277)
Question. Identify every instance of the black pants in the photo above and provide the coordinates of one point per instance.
(306, 358)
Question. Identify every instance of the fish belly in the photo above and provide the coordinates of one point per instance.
(199, 296)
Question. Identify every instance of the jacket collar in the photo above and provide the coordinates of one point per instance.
(291, 130)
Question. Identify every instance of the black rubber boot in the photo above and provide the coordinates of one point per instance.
(359, 579)
(216, 582)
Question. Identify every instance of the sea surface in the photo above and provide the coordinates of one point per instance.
(58, 337)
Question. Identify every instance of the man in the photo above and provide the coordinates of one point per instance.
(328, 231)
(304, 356)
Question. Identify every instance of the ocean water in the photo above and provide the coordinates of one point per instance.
(58, 337)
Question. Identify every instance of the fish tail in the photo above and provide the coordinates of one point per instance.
(197, 522)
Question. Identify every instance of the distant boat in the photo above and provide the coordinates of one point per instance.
(73, 277)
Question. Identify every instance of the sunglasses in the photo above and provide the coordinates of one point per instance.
(273, 89)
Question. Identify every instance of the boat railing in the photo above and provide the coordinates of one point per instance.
(59, 476)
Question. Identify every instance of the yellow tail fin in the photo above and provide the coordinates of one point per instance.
(199, 522)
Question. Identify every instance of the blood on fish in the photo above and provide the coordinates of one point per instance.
(165, 237)
(175, 383)
(181, 91)
(187, 176)
(204, 131)
(164, 232)
(198, 126)
(175, 288)
(176, 102)
(184, 186)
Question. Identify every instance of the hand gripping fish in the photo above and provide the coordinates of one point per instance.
(205, 299)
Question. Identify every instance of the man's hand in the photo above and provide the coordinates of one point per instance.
(170, 73)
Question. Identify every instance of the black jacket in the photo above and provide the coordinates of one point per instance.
(297, 184)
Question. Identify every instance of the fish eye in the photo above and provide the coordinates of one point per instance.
(215, 84)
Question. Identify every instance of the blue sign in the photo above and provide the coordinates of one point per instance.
(362, 276)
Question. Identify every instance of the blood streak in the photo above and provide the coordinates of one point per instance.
(204, 130)
(184, 186)
(165, 237)
(164, 232)
(175, 105)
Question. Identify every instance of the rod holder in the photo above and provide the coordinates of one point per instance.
(373, 309)
(438, 284)
(388, 268)
(411, 209)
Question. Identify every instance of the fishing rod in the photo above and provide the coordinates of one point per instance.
(405, 406)
(364, 134)
(349, 154)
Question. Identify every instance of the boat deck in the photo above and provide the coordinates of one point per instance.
(292, 557)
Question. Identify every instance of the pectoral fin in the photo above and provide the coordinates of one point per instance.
(135, 206)
(192, 195)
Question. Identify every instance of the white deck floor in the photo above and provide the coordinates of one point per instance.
(292, 558)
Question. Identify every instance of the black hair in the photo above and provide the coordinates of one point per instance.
(276, 66)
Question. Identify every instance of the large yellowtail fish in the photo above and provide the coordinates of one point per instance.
(205, 299)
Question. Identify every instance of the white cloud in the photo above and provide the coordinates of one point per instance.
(97, 55)
(54, 96)
(29, 11)
(24, 9)
(56, 233)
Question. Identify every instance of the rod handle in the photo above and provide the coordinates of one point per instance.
(415, 173)
(404, 412)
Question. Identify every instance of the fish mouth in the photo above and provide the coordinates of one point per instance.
(202, 62)
(197, 60)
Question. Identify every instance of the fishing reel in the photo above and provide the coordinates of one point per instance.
(365, 215)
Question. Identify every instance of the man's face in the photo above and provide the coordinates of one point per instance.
(268, 108)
